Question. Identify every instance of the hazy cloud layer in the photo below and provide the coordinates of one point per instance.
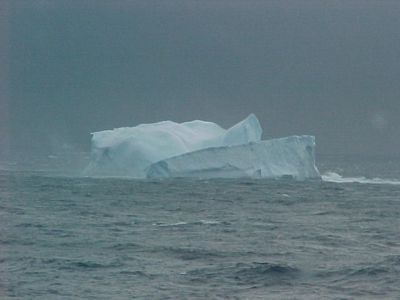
(327, 68)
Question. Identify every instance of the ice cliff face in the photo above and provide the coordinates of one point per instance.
(200, 149)
(292, 156)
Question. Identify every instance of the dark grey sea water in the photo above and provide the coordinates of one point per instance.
(84, 238)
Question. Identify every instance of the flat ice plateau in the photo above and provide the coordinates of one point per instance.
(200, 149)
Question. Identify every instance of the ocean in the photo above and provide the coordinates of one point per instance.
(71, 237)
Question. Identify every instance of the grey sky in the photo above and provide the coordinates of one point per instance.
(327, 68)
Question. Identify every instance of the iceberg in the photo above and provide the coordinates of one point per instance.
(129, 151)
(200, 149)
(285, 157)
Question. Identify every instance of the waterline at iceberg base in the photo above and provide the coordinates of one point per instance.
(200, 149)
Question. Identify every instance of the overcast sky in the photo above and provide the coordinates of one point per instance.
(326, 68)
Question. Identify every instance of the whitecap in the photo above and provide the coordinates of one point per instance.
(335, 177)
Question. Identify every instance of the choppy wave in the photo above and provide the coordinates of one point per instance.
(254, 273)
(335, 177)
(74, 238)
(200, 222)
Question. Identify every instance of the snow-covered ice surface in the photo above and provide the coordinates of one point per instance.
(292, 156)
(199, 149)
